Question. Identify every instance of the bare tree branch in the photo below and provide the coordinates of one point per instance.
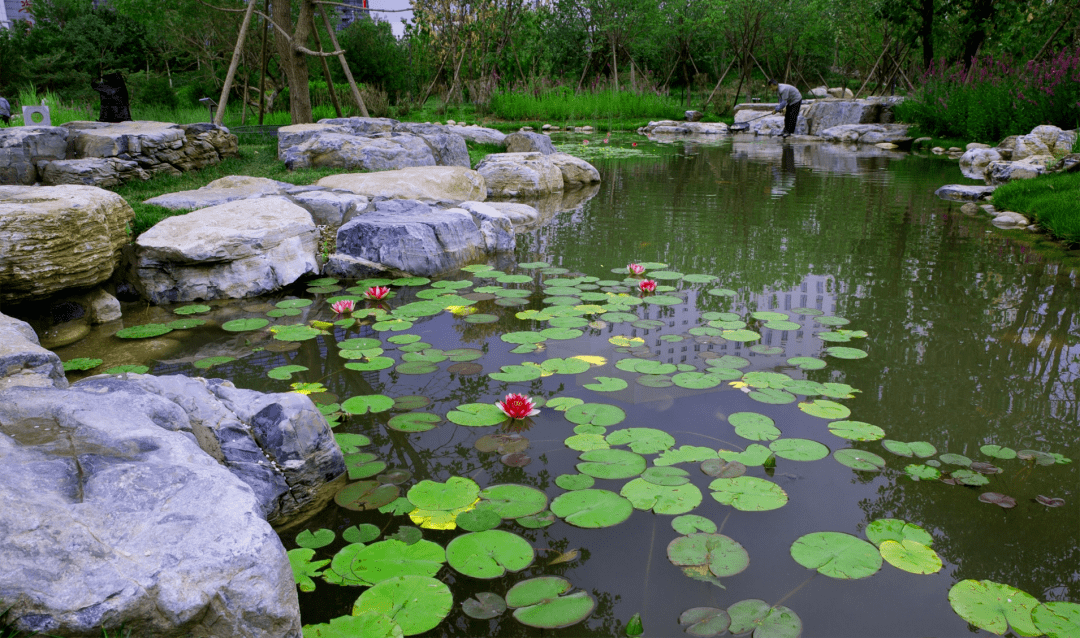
(319, 54)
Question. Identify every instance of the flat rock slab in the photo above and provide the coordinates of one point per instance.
(826, 114)
(91, 171)
(414, 237)
(525, 142)
(868, 134)
(112, 521)
(57, 237)
(158, 147)
(371, 144)
(23, 147)
(230, 251)
(434, 183)
(673, 127)
(23, 362)
(1028, 168)
(964, 192)
(520, 175)
(221, 191)
(478, 134)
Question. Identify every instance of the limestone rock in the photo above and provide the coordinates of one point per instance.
(1029, 146)
(221, 191)
(101, 307)
(520, 175)
(416, 238)
(383, 152)
(974, 145)
(693, 116)
(158, 147)
(297, 134)
(23, 147)
(841, 92)
(346, 267)
(1008, 219)
(827, 114)
(575, 171)
(230, 251)
(1027, 168)
(528, 143)
(969, 208)
(433, 183)
(93, 171)
(868, 134)
(447, 148)
(478, 134)
(496, 228)
(279, 444)
(671, 127)
(964, 192)
(520, 215)
(111, 520)
(363, 125)
(58, 237)
(23, 362)
(331, 208)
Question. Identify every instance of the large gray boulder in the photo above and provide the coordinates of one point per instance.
(221, 191)
(414, 237)
(448, 148)
(478, 134)
(1043, 140)
(382, 152)
(826, 114)
(520, 215)
(974, 161)
(576, 172)
(331, 208)
(868, 134)
(431, 183)
(23, 362)
(230, 251)
(520, 175)
(23, 147)
(1027, 168)
(113, 518)
(280, 445)
(158, 147)
(363, 125)
(964, 192)
(92, 171)
(672, 127)
(524, 142)
(53, 238)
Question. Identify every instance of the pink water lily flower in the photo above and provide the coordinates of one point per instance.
(635, 269)
(375, 293)
(517, 406)
(343, 306)
(647, 286)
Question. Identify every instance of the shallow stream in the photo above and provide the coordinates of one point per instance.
(971, 341)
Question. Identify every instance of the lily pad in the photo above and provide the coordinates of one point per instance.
(489, 554)
(536, 521)
(825, 409)
(414, 422)
(661, 499)
(856, 430)
(754, 454)
(416, 603)
(514, 501)
(998, 452)
(133, 368)
(607, 384)
(722, 555)
(517, 373)
(81, 363)
(611, 464)
(704, 622)
(685, 454)
(601, 414)
(1001, 500)
(539, 602)
(642, 440)
(860, 460)
(194, 309)
(894, 529)
(772, 396)
(210, 362)
(145, 331)
(840, 352)
(572, 482)
(836, 555)
(592, 508)
(315, 540)
(765, 621)
(243, 325)
(689, 523)
(994, 607)
(697, 380)
(366, 495)
(455, 493)
(361, 533)
(476, 415)
(748, 493)
(484, 606)
(911, 556)
(371, 403)
(754, 426)
(1058, 619)
(807, 363)
(922, 472)
(718, 468)
(799, 449)
(304, 570)
(185, 324)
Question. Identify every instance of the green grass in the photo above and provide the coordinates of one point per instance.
(477, 152)
(1053, 201)
(564, 107)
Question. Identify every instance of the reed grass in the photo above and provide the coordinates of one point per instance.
(1051, 200)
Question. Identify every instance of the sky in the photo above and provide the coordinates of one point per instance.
(396, 20)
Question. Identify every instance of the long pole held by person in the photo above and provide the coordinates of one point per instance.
(789, 100)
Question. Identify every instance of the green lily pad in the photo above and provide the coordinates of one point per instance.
(145, 331)
(514, 501)
(304, 570)
(536, 521)
(293, 303)
(994, 607)
(194, 309)
(841, 352)
(476, 415)
(661, 499)
(414, 367)
(413, 422)
(955, 459)
(799, 449)
(293, 333)
(592, 508)
(741, 336)
(539, 602)
(754, 454)
(911, 556)
(825, 409)
(922, 449)
(748, 493)
(1058, 619)
(365, 404)
(489, 554)
(481, 318)
(860, 460)
(601, 414)
(666, 475)
(966, 477)
(922, 472)
(998, 452)
(417, 603)
(81, 363)
(705, 621)
(387, 559)
(136, 369)
(721, 292)
(754, 426)
(856, 430)
(772, 396)
(210, 362)
(361, 533)
(285, 372)
(185, 324)
(479, 519)
(572, 482)
(277, 313)
(374, 363)
(518, 373)
(642, 440)
(370, 624)
(894, 529)
(611, 464)
(315, 540)
(484, 606)
(607, 384)
(570, 365)
(697, 380)
(455, 493)
(243, 325)
(765, 621)
(689, 523)
(718, 468)
(722, 555)
(836, 555)
(586, 441)
(685, 454)
(807, 363)
(366, 495)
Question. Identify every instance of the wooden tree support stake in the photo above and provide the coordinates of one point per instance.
(220, 115)
(344, 64)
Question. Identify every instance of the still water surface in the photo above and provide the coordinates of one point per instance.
(972, 341)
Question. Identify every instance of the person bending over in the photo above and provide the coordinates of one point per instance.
(791, 100)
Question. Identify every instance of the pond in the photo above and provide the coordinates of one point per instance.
(829, 346)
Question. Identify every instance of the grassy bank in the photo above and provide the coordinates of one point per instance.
(1053, 201)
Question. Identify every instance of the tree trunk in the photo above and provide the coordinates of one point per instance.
(926, 32)
(291, 59)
